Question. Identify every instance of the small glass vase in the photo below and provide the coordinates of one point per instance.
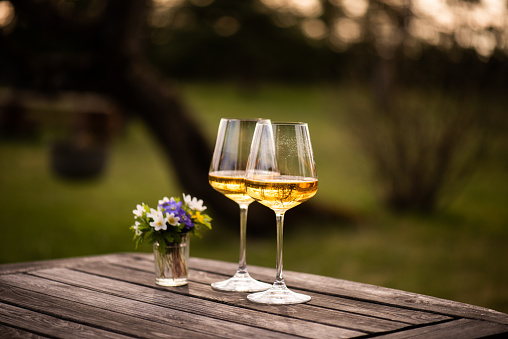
(171, 264)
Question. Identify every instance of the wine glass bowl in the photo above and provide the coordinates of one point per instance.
(227, 176)
(282, 192)
(231, 184)
(281, 174)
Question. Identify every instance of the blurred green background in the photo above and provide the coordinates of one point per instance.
(454, 250)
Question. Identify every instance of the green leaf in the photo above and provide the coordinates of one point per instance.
(169, 237)
(162, 247)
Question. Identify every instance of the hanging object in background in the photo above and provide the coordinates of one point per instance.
(82, 152)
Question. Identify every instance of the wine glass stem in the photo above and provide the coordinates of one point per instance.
(279, 280)
(242, 265)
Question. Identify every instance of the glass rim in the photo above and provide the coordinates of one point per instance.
(246, 119)
(289, 123)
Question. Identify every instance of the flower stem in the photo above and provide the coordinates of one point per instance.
(177, 262)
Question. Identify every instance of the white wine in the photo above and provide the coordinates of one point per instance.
(281, 192)
(231, 184)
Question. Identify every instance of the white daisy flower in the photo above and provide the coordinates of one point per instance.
(172, 219)
(136, 228)
(159, 220)
(138, 212)
(194, 203)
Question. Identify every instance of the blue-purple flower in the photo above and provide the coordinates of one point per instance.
(175, 207)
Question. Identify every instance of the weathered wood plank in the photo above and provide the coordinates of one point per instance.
(145, 263)
(329, 311)
(129, 291)
(360, 291)
(89, 315)
(347, 305)
(143, 310)
(348, 289)
(461, 328)
(65, 262)
(51, 326)
(12, 332)
(281, 319)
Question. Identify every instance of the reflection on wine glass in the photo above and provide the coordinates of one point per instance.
(227, 175)
(281, 174)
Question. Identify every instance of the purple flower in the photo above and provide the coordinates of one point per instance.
(171, 206)
(186, 218)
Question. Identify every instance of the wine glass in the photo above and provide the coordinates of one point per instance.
(227, 175)
(281, 174)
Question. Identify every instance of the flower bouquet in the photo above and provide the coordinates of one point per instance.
(168, 228)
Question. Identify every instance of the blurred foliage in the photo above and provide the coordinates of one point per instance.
(235, 40)
(325, 40)
(424, 144)
(289, 40)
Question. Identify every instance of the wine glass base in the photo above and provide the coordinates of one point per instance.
(278, 296)
(240, 282)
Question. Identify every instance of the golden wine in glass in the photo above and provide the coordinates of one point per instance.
(281, 174)
(227, 176)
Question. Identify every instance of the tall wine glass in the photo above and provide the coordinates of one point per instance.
(227, 175)
(281, 174)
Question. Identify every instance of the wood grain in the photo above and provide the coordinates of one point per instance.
(115, 296)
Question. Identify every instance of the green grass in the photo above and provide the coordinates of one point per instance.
(458, 253)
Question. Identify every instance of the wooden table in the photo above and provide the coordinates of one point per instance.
(114, 296)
